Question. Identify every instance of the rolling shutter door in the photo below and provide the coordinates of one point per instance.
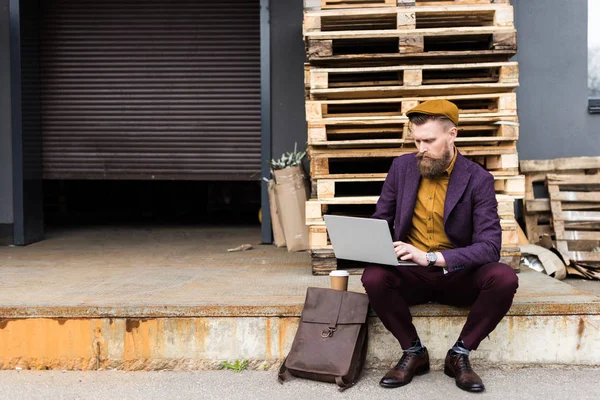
(151, 89)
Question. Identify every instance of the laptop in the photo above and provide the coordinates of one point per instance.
(362, 239)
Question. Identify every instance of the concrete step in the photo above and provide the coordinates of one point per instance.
(550, 323)
(175, 299)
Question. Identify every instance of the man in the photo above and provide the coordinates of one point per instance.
(443, 213)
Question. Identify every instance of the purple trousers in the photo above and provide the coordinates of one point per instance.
(488, 289)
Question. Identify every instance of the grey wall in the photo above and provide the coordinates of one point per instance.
(6, 193)
(552, 97)
(288, 122)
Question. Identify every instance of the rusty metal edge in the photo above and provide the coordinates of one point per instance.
(426, 310)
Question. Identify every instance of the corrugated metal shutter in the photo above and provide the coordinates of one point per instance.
(151, 89)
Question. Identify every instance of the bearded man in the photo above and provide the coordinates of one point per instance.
(443, 214)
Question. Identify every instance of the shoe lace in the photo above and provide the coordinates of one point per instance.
(406, 357)
(463, 363)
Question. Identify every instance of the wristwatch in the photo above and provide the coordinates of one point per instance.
(431, 258)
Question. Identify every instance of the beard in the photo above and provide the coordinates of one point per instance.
(434, 167)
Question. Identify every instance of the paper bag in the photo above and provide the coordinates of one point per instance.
(278, 235)
(291, 193)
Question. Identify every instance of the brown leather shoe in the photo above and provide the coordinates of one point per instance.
(410, 364)
(458, 366)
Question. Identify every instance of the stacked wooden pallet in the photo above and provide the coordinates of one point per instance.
(369, 62)
(536, 204)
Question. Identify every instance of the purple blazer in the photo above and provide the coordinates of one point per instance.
(471, 219)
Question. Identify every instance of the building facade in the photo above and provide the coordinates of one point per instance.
(234, 73)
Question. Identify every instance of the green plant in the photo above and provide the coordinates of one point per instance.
(289, 159)
(237, 367)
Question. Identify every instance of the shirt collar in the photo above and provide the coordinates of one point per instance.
(451, 166)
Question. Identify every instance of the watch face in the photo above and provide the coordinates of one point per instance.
(431, 257)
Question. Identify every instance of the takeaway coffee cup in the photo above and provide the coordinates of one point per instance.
(339, 279)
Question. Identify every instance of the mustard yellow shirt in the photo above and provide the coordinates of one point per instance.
(427, 231)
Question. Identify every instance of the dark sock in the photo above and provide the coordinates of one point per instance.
(416, 347)
(459, 348)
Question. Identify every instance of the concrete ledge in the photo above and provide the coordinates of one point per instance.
(203, 343)
(175, 299)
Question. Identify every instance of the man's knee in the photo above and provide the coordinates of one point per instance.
(502, 277)
(375, 278)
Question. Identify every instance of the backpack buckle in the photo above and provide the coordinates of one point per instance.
(328, 333)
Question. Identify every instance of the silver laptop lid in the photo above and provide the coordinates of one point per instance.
(362, 239)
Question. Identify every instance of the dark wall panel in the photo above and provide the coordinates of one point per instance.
(287, 76)
(6, 182)
(552, 97)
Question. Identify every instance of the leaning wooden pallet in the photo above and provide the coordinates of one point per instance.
(577, 232)
(538, 216)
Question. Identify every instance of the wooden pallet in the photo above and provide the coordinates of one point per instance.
(371, 188)
(316, 208)
(364, 206)
(407, 80)
(319, 239)
(323, 261)
(577, 232)
(538, 216)
(383, 133)
(423, 43)
(403, 18)
(371, 163)
(469, 106)
(337, 4)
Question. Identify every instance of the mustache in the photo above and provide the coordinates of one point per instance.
(420, 156)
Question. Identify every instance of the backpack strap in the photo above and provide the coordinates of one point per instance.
(283, 374)
(341, 384)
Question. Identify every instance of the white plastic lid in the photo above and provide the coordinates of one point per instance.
(339, 273)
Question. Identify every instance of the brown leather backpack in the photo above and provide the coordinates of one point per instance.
(331, 341)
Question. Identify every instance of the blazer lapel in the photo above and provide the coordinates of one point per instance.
(459, 180)
(409, 195)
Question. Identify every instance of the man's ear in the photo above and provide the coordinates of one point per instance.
(453, 132)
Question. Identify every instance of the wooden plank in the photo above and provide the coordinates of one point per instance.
(556, 179)
(362, 143)
(576, 216)
(381, 57)
(581, 235)
(429, 68)
(559, 164)
(320, 48)
(500, 32)
(536, 206)
(511, 185)
(466, 9)
(502, 161)
(568, 196)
